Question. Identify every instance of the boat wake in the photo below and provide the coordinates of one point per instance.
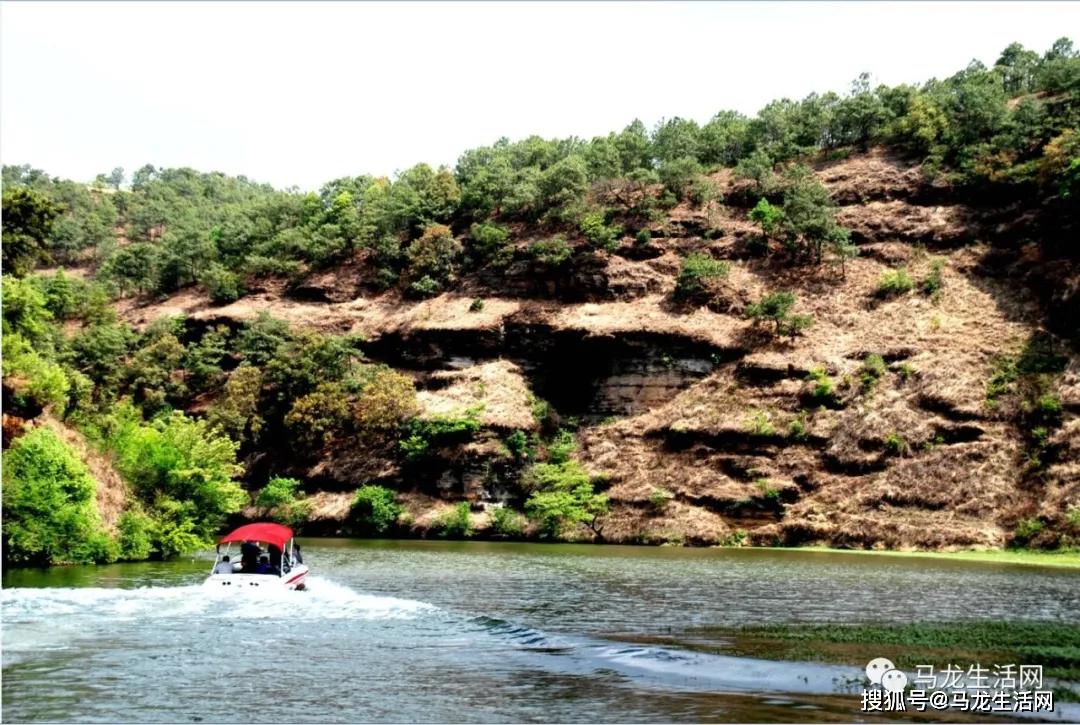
(323, 599)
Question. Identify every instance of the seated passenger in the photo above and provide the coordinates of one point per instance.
(275, 557)
(224, 566)
(249, 556)
(264, 566)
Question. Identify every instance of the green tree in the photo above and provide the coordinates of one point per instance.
(375, 509)
(564, 495)
(28, 218)
(434, 255)
(767, 216)
(49, 512)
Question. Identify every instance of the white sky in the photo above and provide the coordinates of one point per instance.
(303, 93)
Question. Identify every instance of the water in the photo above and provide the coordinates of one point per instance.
(472, 632)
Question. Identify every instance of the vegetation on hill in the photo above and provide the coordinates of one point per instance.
(185, 409)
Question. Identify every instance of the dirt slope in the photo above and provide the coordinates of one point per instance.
(704, 427)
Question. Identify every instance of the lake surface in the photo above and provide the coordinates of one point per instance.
(473, 632)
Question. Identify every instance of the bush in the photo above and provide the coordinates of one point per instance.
(375, 509)
(896, 445)
(222, 285)
(553, 252)
(422, 434)
(933, 282)
(563, 494)
(696, 269)
(1027, 529)
(277, 492)
(136, 535)
(182, 470)
(797, 429)
(659, 498)
(518, 444)
(776, 307)
(643, 237)
(600, 234)
(872, 370)
(426, 286)
(50, 514)
(476, 305)
(823, 389)
(386, 401)
(506, 522)
(432, 259)
(489, 241)
(455, 523)
(893, 284)
(758, 424)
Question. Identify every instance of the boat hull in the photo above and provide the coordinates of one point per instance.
(295, 579)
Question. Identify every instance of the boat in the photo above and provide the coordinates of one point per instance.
(279, 566)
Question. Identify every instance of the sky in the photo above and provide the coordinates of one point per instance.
(299, 94)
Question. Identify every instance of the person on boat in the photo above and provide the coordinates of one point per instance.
(297, 556)
(264, 566)
(249, 556)
(275, 557)
(224, 566)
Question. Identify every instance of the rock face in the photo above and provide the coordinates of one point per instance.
(702, 426)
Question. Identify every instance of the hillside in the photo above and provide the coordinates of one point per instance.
(667, 396)
(849, 321)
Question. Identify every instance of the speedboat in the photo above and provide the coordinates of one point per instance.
(280, 566)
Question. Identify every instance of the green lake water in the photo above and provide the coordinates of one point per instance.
(475, 632)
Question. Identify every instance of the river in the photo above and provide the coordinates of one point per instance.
(474, 632)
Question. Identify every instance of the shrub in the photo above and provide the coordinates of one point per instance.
(50, 515)
(221, 285)
(422, 434)
(905, 371)
(386, 401)
(278, 491)
(776, 307)
(797, 429)
(933, 281)
(552, 252)
(455, 523)
(561, 447)
(758, 424)
(432, 258)
(643, 237)
(507, 522)
(136, 535)
(1027, 529)
(518, 444)
(600, 234)
(476, 305)
(767, 216)
(896, 445)
(563, 494)
(872, 370)
(426, 286)
(823, 388)
(489, 241)
(375, 509)
(31, 377)
(696, 269)
(767, 490)
(316, 416)
(659, 498)
(893, 284)
(182, 470)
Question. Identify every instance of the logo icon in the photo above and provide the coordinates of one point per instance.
(876, 669)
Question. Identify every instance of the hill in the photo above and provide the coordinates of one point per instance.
(848, 321)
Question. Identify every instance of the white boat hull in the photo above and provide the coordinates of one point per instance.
(296, 578)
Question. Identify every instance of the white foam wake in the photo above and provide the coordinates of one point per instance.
(323, 599)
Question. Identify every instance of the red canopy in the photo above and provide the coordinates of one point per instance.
(275, 534)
